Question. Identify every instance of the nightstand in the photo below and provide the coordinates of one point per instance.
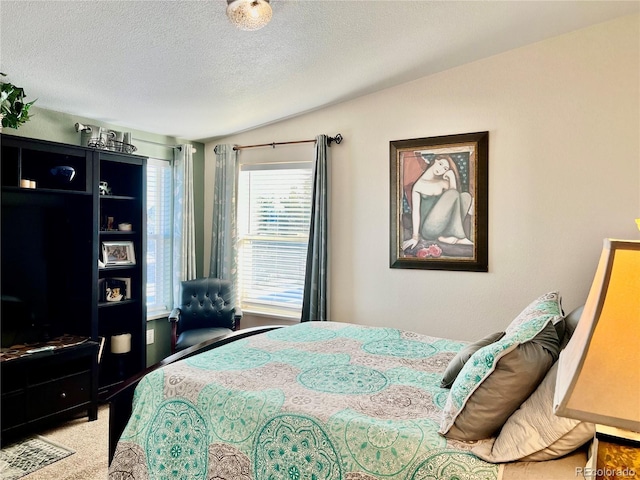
(614, 455)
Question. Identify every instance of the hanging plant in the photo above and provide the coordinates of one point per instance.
(14, 111)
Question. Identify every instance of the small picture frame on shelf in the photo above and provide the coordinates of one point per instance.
(117, 289)
(118, 253)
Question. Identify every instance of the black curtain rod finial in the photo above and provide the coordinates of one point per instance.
(337, 139)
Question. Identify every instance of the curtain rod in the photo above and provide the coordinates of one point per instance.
(163, 144)
(337, 139)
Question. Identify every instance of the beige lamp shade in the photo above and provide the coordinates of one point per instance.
(599, 370)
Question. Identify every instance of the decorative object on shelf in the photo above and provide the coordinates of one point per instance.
(26, 183)
(105, 189)
(13, 110)
(121, 346)
(124, 227)
(64, 173)
(121, 343)
(110, 221)
(115, 290)
(598, 379)
(113, 293)
(105, 138)
(249, 14)
(118, 253)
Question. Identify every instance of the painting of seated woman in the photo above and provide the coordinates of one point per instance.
(437, 198)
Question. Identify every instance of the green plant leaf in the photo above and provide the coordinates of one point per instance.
(12, 107)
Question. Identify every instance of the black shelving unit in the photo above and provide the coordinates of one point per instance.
(52, 237)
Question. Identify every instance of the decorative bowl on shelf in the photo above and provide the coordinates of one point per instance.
(124, 227)
(63, 173)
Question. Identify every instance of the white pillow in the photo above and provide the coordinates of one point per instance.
(534, 432)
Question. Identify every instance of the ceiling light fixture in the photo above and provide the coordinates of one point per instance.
(249, 14)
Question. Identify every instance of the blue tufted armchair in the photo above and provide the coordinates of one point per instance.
(205, 312)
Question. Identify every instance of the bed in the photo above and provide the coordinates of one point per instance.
(318, 400)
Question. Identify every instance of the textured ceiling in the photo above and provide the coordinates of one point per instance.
(179, 68)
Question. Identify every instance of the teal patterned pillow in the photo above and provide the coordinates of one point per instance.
(524, 328)
(546, 305)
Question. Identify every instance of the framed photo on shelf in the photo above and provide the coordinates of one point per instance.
(117, 289)
(118, 253)
(439, 202)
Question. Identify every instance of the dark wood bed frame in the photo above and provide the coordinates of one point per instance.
(121, 397)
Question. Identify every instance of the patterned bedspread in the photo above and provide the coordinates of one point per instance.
(319, 400)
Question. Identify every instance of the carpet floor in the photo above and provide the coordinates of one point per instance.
(89, 440)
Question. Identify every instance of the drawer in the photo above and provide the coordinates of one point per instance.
(12, 379)
(13, 410)
(58, 395)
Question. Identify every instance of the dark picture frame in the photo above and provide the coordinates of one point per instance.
(449, 177)
(117, 289)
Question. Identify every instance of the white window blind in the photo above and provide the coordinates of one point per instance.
(159, 237)
(274, 208)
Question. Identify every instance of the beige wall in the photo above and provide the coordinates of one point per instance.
(563, 118)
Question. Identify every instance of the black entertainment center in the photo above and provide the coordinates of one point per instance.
(58, 225)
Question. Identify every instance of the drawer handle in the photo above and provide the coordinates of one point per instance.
(63, 395)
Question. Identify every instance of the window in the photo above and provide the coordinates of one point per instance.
(159, 238)
(274, 209)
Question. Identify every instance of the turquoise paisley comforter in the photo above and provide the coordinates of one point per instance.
(318, 400)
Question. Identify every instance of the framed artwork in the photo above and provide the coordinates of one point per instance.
(118, 253)
(439, 202)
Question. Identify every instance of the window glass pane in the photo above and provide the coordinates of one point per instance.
(274, 208)
(159, 249)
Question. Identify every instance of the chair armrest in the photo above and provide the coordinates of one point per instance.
(237, 316)
(174, 316)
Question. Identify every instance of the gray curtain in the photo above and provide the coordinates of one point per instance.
(314, 302)
(223, 232)
(184, 236)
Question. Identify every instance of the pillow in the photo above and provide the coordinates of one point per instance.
(457, 362)
(499, 377)
(545, 305)
(534, 432)
(571, 322)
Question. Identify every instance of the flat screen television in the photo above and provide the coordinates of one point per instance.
(46, 267)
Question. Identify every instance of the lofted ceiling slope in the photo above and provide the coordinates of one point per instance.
(178, 68)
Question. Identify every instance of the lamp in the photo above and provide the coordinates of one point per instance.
(599, 370)
(249, 14)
